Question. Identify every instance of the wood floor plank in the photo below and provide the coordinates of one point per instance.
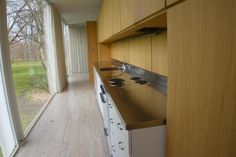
(71, 126)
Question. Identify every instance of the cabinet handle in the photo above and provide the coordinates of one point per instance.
(111, 121)
(121, 145)
(102, 98)
(105, 131)
(102, 89)
(119, 126)
(110, 106)
(113, 148)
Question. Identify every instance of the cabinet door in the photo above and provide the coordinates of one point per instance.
(136, 10)
(109, 19)
(169, 2)
(201, 110)
(115, 19)
(101, 25)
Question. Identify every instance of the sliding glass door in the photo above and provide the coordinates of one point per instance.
(28, 56)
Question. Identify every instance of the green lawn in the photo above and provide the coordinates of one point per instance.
(1, 152)
(31, 86)
(28, 76)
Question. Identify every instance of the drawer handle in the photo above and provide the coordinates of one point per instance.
(105, 131)
(119, 126)
(113, 148)
(102, 89)
(121, 145)
(102, 98)
(110, 106)
(111, 121)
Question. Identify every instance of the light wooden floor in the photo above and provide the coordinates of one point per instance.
(71, 126)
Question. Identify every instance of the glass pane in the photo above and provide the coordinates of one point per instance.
(28, 56)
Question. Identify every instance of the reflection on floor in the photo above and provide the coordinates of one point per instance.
(71, 126)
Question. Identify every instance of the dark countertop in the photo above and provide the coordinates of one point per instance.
(139, 106)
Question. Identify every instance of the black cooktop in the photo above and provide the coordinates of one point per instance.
(116, 80)
(135, 78)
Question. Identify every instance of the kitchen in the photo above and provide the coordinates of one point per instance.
(161, 80)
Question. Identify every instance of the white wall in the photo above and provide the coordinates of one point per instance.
(78, 49)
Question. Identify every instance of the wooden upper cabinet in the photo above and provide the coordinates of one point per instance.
(117, 15)
(101, 24)
(127, 8)
(160, 54)
(169, 2)
(109, 19)
(135, 10)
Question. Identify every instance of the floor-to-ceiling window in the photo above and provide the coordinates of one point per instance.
(28, 56)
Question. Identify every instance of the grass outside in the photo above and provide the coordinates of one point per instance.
(1, 152)
(31, 86)
(28, 76)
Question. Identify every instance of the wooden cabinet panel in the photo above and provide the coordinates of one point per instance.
(117, 15)
(109, 19)
(140, 52)
(104, 52)
(147, 7)
(92, 47)
(116, 26)
(136, 10)
(169, 2)
(104, 21)
(160, 54)
(127, 8)
(201, 110)
(119, 51)
(101, 24)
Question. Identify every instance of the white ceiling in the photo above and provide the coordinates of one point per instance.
(78, 11)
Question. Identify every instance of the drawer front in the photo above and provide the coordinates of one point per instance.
(119, 136)
(119, 142)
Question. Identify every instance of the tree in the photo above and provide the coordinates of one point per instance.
(26, 24)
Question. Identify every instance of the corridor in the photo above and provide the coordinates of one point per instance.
(71, 126)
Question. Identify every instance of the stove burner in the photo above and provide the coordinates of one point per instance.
(116, 80)
(141, 82)
(135, 78)
(116, 84)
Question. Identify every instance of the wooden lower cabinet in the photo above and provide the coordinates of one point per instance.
(201, 110)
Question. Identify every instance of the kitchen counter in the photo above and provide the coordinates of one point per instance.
(139, 106)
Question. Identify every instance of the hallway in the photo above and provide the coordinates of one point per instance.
(71, 126)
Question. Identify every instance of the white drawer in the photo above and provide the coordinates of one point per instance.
(119, 136)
